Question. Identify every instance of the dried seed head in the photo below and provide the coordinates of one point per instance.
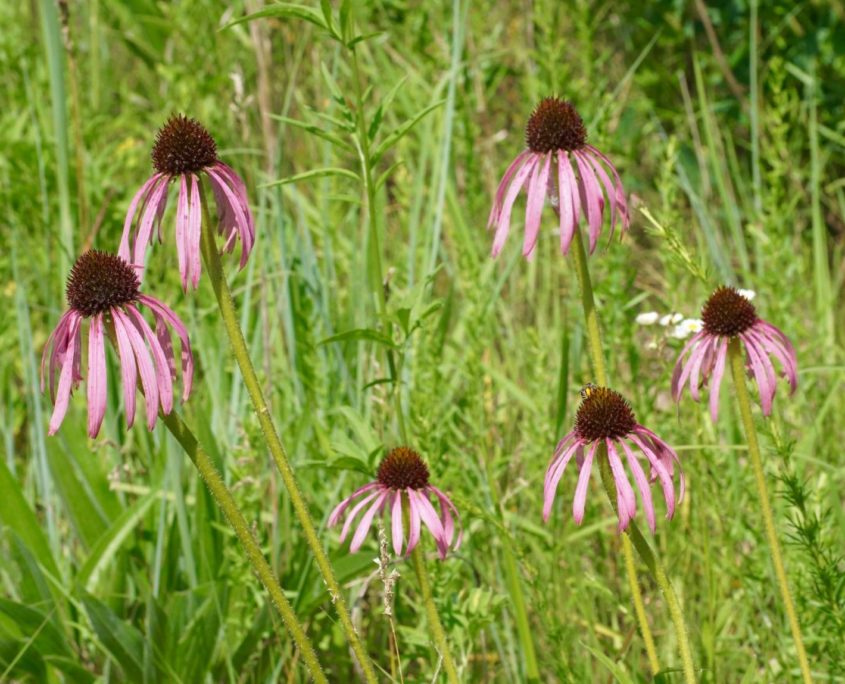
(555, 125)
(728, 313)
(99, 281)
(604, 414)
(403, 468)
(183, 145)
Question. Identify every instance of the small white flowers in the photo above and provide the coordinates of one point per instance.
(748, 294)
(687, 327)
(647, 318)
(671, 319)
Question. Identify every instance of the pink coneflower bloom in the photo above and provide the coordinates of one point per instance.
(556, 139)
(183, 152)
(604, 417)
(728, 314)
(105, 290)
(402, 482)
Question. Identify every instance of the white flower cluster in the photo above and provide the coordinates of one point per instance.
(677, 326)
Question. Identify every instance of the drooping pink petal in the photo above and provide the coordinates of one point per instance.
(366, 521)
(146, 369)
(334, 516)
(619, 193)
(123, 250)
(55, 342)
(658, 467)
(194, 233)
(771, 345)
(504, 224)
(144, 232)
(96, 376)
(592, 197)
(553, 475)
(716, 379)
(161, 309)
(695, 357)
(572, 185)
(682, 367)
(357, 509)
(128, 369)
(162, 369)
(182, 218)
(447, 510)
(642, 484)
(242, 223)
(696, 360)
(432, 522)
(397, 532)
(607, 185)
(667, 456)
(583, 481)
(626, 502)
(537, 191)
(67, 375)
(503, 185)
(565, 207)
(758, 363)
(414, 522)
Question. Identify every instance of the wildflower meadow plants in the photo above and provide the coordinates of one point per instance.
(286, 231)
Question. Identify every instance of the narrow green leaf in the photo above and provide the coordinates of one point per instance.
(283, 10)
(316, 173)
(360, 334)
(46, 638)
(313, 130)
(123, 642)
(400, 132)
(618, 673)
(112, 539)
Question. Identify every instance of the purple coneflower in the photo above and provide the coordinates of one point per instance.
(604, 417)
(556, 138)
(184, 150)
(728, 314)
(401, 472)
(104, 288)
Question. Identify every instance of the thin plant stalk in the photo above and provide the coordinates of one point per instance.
(633, 534)
(226, 502)
(744, 401)
(438, 634)
(228, 313)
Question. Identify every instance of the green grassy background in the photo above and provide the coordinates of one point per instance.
(726, 123)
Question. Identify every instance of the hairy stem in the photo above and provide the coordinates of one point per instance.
(226, 502)
(633, 533)
(438, 634)
(744, 401)
(228, 313)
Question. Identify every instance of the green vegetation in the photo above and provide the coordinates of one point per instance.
(728, 126)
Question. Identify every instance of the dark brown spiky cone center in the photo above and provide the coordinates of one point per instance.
(555, 125)
(604, 414)
(403, 468)
(99, 281)
(183, 145)
(728, 313)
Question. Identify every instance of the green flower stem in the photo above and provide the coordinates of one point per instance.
(744, 400)
(523, 626)
(214, 268)
(437, 632)
(226, 502)
(633, 533)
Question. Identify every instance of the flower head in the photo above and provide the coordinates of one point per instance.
(605, 417)
(726, 315)
(105, 290)
(556, 138)
(183, 152)
(402, 482)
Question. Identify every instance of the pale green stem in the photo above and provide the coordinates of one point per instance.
(438, 634)
(214, 269)
(520, 613)
(632, 533)
(226, 502)
(744, 400)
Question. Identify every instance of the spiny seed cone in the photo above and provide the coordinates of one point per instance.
(728, 313)
(604, 414)
(555, 125)
(183, 145)
(99, 281)
(403, 468)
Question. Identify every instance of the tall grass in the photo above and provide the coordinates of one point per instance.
(114, 562)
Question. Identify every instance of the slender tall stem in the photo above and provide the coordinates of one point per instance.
(437, 632)
(633, 533)
(600, 370)
(226, 502)
(738, 372)
(214, 268)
